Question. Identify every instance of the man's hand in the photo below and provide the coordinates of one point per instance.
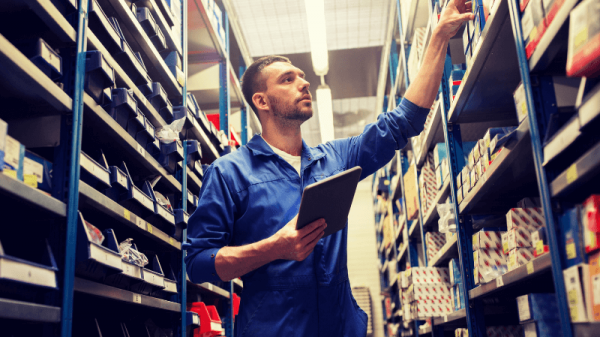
(293, 244)
(454, 14)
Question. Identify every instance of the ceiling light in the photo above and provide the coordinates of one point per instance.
(315, 17)
(325, 110)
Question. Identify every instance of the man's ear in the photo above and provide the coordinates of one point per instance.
(260, 101)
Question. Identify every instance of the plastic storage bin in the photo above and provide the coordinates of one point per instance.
(151, 28)
(94, 173)
(194, 153)
(167, 112)
(43, 56)
(93, 260)
(157, 96)
(173, 61)
(136, 124)
(170, 155)
(132, 65)
(119, 181)
(153, 277)
(140, 200)
(16, 270)
(99, 75)
(123, 106)
(104, 29)
(210, 322)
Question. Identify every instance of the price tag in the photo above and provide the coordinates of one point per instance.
(571, 252)
(141, 150)
(539, 248)
(30, 180)
(505, 247)
(499, 282)
(149, 229)
(572, 298)
(445, 318)
(572, 173)
(210, 287)
(171, 241)
(140, 223)
(530, 268)
(10, 173)
(137, 298)
(127, 214)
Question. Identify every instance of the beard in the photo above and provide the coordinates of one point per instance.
(289, 113)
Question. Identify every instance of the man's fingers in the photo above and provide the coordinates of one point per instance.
(311, 227)
(311, 245)
(467, 17)
(309, 236)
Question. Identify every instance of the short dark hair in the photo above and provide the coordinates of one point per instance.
(251, 81)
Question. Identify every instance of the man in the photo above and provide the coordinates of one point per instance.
(295, 283)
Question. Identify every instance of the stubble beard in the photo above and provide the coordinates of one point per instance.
(289, 115)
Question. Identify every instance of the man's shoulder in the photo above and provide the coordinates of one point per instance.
(235, 159)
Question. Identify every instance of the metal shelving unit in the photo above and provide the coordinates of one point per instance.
(73, 276)
(484, 99)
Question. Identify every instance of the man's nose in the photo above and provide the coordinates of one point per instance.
(305, 85)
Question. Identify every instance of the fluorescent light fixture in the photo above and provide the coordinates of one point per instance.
(325, 110)
(315, 17)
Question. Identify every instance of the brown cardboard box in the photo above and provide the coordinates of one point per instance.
(412, 196)
(594, 263)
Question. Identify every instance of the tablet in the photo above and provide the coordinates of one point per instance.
(330, 199)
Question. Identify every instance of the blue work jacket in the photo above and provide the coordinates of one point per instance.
(250, 194)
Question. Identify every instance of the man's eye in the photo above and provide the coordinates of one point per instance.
(289, 79)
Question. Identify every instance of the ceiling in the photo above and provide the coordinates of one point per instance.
(355, 36)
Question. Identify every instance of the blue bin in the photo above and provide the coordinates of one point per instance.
(194, 153)
(136, 124)
(173, 61)
(99, 75)
(43, 56)
(123, 106)
(104, 28)
(167, 112)
(158, 96)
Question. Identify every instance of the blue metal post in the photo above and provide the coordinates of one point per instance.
(244, 111)
(224, 99)
(73, 194)
(183, 277)
(543, 186)
(402, 49)
(393, 62)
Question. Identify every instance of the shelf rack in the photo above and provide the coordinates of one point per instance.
(485, 99)
(86, 126)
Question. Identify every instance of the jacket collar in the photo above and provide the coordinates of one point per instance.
(259, 147)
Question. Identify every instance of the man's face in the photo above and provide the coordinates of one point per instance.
(287, 92)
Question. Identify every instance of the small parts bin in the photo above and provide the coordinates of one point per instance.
(151, 28)
(210, 322)
(104, 28)
(99, 75)
(43, 56)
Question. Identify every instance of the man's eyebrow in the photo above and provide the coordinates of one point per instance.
(289, 72)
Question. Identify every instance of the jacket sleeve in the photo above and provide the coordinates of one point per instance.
(376, 146)
(210, 228)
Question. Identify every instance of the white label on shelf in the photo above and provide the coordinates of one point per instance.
(140, 223)
(170, 286)
(214, 326)
(499, 282)
(22, 272)
(141, 150)
(210, 287)
(137, 298)
(121, 179)
(195, 320)
(132, 270)
(143, 199)
(94, 169)
(523, 306)
(104, 257)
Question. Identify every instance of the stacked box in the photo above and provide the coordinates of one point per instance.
(539, 242)
(427, 275)
(489, 264)
(454, 271)
(487, 239)
(519, 256)
(590, 222)
(14, 154)
(427, 188)
(594, 282)
(571, 236)
(518, 237)
(576, 285)
(544, 328)
(538, 307)
(435, 241)
(584, 33)
(522, 217)
(458, 300)
(533, 24)
(439, 153)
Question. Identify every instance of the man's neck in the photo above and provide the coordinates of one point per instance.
(287, 139)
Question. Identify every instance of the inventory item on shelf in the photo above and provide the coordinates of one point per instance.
(43, 56)
(584, 34)
(14, 154)
(99, 75)
(132, 255)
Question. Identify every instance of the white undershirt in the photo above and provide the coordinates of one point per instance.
(295, 161)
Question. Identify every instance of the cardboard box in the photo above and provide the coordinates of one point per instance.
(519, 217)
(539, 242)
(543, 328)
(428, 275)
(571, 237)
(520, 102)
(584, 40)
(519, 237)
(435, 241)
(410, 188)
(577, 292)
(14, 153)
(519, 257)
(466, 179)
(489, 264)
(454, 271)
(533, 24)
(590, 219)
(594, 285)
(459, 180)
(474, 177)
(445, 168)
(538, 307)
(487, 239)
(439, 153)
(459, 194)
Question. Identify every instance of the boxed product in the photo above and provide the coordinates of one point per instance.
(435, 241)
(454, 271)
(533, 24)
(439, 153)
(466, 179)
(520, 102)
(459, 194)
(590, 219)
(543, 328)
(429, 292)
(519, 217)
(410, 188)
(489, 264)
(519, 256)
(474, 177)
(578, 292)
(487, 238)
(551, 7)
(539, 242)
(459, 180)
(428, 275)
(493, 132)
(538, 307)
(572, 237)
(14, 153)
(594, 285)
(518, 237)
(458, 301)
(37, 172)
(583, 52)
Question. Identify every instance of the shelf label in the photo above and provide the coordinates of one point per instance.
(149, 228)
(30, 180)
(530, 268)
(572, 173)
(570, 248)
(499, 282)
(572, 298)
(10, 173)
(171, 241)
(445, 318)
(210, 287)
(539, 247)
(127, 214)
(140, 223)
(141, 150)
(137, 298)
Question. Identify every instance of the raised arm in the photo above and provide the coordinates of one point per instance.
(424, 89)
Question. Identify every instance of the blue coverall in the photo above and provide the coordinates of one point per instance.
(250, 194)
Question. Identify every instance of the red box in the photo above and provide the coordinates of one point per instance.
(590, 219)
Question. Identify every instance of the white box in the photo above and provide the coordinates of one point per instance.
(575, 288)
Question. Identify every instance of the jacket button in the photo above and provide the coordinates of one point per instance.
(212, 255)
(309, 158)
